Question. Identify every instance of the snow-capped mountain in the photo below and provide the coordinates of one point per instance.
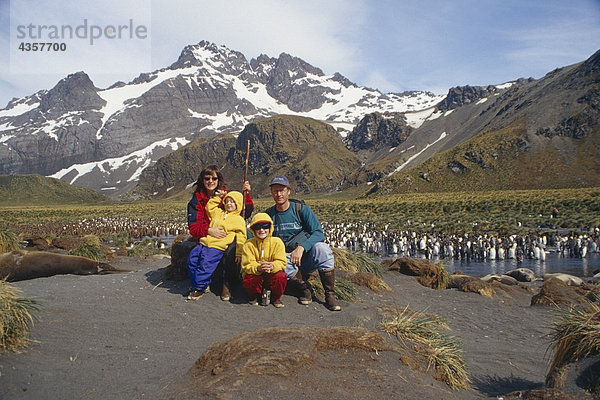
(103, 138)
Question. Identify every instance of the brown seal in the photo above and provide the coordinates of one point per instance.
(20, 265)
(522, 274)
(569, 280)
(505, 279)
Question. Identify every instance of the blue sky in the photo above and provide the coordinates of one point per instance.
(391, 45)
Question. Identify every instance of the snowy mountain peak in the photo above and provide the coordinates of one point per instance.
(210, 90)
(206, 53)
(76, 92)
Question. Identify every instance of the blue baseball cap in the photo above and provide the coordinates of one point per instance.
(280, 180)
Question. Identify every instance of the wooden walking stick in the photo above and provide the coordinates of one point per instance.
(245, 178)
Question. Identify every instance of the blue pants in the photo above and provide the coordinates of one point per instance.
(319, 257)
(201, 264)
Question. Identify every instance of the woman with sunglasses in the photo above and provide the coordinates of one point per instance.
(209, 181)
(264, 261)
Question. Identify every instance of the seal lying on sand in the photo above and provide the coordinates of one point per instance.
(20, 265)
(522, 274)
(505, 279)
(567, 279)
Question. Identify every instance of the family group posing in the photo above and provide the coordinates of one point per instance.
(284, 245)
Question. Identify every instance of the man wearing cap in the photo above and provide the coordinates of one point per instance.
(301, 231)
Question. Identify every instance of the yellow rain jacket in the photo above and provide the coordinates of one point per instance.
(270, 249)
(233, 224)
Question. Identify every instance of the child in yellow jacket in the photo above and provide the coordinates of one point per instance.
(205, 257)
(264, 261)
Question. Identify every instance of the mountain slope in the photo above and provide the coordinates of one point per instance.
(529, 134)
(500, 160)
(37, 190)
(524, 134)
(104, 138)
(309, 152)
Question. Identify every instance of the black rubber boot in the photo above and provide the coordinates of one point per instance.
(299, 284)
(328, 282)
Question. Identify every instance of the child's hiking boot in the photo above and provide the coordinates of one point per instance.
(195, 294)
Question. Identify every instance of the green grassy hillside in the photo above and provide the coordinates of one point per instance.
(24, 190)
(503, 159)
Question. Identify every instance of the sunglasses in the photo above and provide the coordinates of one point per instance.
(211, 178)
(265, 225)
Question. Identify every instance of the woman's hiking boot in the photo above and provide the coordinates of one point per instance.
(225, 293)
(328, 282)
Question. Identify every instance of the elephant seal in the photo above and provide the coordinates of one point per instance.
(21, 265)
(569, 280)
(505, 279)
(522, 274)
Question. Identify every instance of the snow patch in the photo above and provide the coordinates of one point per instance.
(138, 157)
(18, 110)
(4, 138)
(415, 119)
(505, 85)
(443, 135)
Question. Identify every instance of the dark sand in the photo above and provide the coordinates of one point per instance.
(129, 336)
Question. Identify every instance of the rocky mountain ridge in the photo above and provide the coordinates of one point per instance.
(104, 138)
(525, 134)
(156, 132)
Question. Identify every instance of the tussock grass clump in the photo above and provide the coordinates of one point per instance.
(8, 240)
(91, 248)
(344, 289)
(16, 315)
(365, 279)
(443, 352)
(358, 269)
(120, 239)
(355, 262)
(281, 352)
(431, 275)
(575, 336)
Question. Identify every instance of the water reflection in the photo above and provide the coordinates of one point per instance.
(582, 267)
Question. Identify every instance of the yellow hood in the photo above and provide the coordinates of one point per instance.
(261, 217)
(237, 197)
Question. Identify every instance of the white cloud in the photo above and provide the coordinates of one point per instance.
(97, 37)
(312, 30)
(393, 46)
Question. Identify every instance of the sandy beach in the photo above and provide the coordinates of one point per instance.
(134, 336)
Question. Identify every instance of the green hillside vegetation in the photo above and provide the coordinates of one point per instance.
(26, 190)
(503, 159)
(309, 152)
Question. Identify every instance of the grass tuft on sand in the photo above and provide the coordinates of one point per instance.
(344, 289)
(431, 275)
(16, 315)
(9, 240)
(91, 248)
(355, 262)
(575, 336)
(443, 352)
